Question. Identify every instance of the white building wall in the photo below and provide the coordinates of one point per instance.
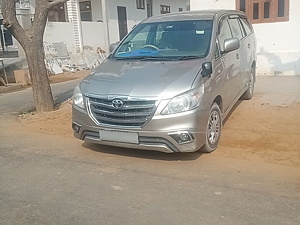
(60, 32)
(93, 32)
(174, 5)
(134, 15)
(93, 35)
(75, 19)
(63, 32)
(278, 44)
(212, 4)
(97, 11)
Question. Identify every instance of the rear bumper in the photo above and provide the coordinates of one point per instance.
(156, 135)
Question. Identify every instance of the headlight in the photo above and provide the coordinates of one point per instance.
(184, 102)
(78, 98)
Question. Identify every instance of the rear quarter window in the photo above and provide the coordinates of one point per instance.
(246, 26)
(236, 28)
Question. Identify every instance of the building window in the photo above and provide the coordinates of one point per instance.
(265, 11)
(180, 9)
(140, 4)
(280, 11)
(85, 11)
(188, 7)
(58, 13)
(22, 4)
(165, 9)
(149, 8)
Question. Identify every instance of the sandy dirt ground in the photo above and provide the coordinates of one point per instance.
(253, 131)
(68, 76)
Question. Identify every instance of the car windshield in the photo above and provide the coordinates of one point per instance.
(175, 40)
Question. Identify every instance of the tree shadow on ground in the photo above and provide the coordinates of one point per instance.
(231, 111)
(61, 97)
(58, 100)
(136, 153)
(277, 66)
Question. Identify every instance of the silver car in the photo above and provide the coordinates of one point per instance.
(169, 83)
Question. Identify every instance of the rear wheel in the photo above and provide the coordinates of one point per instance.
(249, 92)
(213, 129)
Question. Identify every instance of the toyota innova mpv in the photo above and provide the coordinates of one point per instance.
(169, 83)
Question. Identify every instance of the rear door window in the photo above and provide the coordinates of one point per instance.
(236, 28)
(246, 26)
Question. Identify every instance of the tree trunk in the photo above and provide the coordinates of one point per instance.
(39, 78)
(32, 43)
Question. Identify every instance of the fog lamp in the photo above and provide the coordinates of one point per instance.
(76, 127)
(182, 137)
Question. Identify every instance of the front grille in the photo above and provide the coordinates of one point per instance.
(133, 113)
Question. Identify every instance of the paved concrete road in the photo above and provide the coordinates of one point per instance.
(19, 102)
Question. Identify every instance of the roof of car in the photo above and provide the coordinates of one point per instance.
(190, 15)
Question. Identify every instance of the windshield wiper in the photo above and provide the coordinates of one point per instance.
(145, 57)
(166, 58)
(158, 58)
(128, 57)
(190, 57)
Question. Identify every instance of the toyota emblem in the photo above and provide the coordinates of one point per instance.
(117, 103)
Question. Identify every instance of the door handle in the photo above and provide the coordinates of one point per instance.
(249, 45)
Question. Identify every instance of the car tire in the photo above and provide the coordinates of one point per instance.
(249, 92)
(213, 129)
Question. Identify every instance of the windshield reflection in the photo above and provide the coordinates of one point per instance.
(175, 40)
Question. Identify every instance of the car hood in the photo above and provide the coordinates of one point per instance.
(142, 79)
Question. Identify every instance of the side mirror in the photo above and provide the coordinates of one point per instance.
(206, 69)
(231, 44)
(113, 46)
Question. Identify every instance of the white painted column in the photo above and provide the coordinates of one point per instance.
(75, 19)
(106, 26)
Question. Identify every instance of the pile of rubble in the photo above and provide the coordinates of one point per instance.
(58, 59)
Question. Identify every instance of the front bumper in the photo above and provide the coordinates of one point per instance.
(156, 135)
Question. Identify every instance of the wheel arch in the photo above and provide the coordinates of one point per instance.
(219, 101)
(254, 67)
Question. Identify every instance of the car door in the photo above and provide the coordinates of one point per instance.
(242, 52)
(249, 47)
(231, 64)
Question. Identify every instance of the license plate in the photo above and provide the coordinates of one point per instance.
(119, 136)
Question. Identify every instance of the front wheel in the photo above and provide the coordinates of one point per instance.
(213, 129)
